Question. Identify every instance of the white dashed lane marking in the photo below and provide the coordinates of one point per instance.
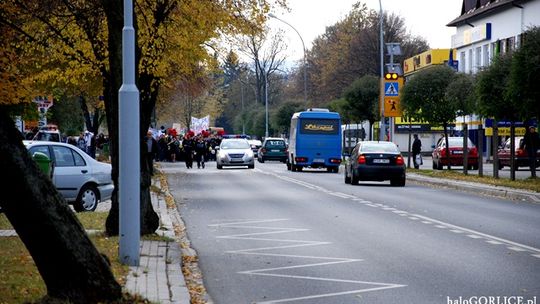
(473, 234)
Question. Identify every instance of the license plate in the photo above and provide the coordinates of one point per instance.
(274, 150)
(381, 161)
(457, 152)
(318, 160)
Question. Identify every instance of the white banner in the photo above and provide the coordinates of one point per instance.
(200, 124)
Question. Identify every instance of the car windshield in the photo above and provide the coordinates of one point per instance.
(378, 147)
(234, 144)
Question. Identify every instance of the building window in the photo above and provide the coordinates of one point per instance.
(470, 61)
(510, 44)
(477, 59)
(485, 56)
(462, 61)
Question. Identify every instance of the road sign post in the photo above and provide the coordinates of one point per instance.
(392, 85)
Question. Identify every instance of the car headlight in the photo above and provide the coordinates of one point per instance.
(249, 154)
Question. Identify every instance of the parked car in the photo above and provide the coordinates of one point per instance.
(455, 146)
(235, 152)
(82, 180)
(375, 161)
(255, 145)
(521, 158)
(273, 148)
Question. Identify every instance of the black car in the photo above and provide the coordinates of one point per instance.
(375, 161)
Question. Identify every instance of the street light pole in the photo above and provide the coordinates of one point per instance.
(266, 102)
(303, 48)
(381, 125)
(129, 149)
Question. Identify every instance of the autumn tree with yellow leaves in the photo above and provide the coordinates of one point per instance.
(78, 43)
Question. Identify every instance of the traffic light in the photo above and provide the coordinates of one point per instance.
(391, 76)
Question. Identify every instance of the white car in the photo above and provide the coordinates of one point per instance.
(255, 146)
(235, 152)
(82, 180)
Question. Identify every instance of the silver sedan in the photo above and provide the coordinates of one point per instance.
(235, 152)
(82, 180)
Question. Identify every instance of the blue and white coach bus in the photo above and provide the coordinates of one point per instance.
(315, 140)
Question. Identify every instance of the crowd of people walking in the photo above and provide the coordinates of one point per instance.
(165, 145)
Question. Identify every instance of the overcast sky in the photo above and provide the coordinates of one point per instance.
(425, 18)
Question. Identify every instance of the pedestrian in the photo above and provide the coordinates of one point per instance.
(187, 145)
(416, 152)
(200, 152)
(162, 147)
(90, 143)
(531, 144)
(152, 150)
(81, 142)
(174, 148)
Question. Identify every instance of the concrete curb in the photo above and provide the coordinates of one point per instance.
(477, 188)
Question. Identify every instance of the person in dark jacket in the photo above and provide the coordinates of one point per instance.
(416, 149)
(200, 152)
(531, 143)
(152, 150)
(187, 146)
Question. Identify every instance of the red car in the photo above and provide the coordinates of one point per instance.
(455, 146)
(521, 157)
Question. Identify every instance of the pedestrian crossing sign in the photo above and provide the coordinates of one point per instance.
(391, 89)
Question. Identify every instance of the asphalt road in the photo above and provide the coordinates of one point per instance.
(269, 235)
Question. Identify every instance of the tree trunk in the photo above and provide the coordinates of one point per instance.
(149, 218)
(445, 128)
(68, 262)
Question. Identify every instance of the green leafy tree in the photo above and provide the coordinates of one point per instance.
(424, 98)
(460, 92)
(524, 72)
(282, 117)
(362, 97)
(494, 100)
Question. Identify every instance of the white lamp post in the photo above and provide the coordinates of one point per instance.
(381, 126)
(266, 102)
(303, 48)
(129, 149)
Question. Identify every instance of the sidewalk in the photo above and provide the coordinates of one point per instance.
(159, 276)
(477, 188)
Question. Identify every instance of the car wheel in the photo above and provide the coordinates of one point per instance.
(251, 166)
(219, 166)
(500, 165)
(261, 159)
(299, 168)
(288, 165)
(434, 166)
(398, 182)
(87, 200)
(439, 165)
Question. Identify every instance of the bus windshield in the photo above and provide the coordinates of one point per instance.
(319, 126)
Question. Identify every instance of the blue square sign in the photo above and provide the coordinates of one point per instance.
(391, 89)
